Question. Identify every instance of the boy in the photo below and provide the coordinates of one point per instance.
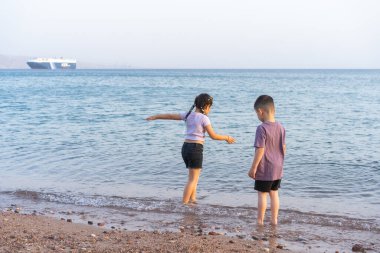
(267, 165)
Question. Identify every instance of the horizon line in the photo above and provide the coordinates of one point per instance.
(194, 69)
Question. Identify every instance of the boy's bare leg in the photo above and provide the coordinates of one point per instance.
(191, 184)
(274, 206)
(261, 207)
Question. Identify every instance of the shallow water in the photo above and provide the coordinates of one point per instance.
(82, 133)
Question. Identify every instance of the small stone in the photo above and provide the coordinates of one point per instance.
(90, 222)
(12, 237)
(231, 241)
(358, 248)
(240, 236)
(93, 235)
(113, 227)
(63, 219)
(279, 246)
(255, 238)
(300, 239)
(69, 220)
(51, 237)
(214, 233)
(101, 224)
(336, 251)
(266, 249)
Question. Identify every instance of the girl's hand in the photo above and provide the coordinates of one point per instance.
(230, 139)
(151, 118)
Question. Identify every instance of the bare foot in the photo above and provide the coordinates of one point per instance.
(260, 223)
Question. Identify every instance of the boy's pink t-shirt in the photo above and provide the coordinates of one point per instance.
(271, 136)
(195, 125)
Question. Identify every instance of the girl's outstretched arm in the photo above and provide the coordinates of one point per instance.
(165, 116)
(218, 137)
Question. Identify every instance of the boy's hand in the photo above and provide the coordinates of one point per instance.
(252, 173)
(230, 139)
(151, 118)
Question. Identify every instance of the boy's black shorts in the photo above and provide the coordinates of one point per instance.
(267, 186)
(192, 154)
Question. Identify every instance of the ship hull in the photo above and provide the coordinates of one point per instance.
(51, 65)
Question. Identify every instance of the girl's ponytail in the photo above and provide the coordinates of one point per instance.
(187, 115)
(201, 101)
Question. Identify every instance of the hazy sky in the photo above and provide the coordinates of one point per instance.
(196, 33)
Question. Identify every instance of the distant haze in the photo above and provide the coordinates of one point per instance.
(195, 34)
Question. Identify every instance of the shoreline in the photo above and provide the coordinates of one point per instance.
(296, 232)
(38, 233)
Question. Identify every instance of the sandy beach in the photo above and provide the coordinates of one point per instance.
(37, 233)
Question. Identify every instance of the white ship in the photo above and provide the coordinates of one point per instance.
(52, 63)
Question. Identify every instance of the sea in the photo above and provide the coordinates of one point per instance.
(78, 140)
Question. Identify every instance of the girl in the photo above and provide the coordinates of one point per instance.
(197, 123)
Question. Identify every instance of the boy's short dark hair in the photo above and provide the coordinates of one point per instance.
(264, 102)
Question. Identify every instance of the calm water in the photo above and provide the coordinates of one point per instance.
(80, 137)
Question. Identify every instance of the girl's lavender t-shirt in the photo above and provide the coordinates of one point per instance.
(195, 125)
(271, 136)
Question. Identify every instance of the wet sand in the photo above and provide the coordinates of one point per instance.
(38, 233)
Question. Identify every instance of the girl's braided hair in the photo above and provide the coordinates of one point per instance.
(201, 101)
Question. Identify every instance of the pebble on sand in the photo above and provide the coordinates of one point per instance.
(214, 233)
(358, 248)
(90, 222)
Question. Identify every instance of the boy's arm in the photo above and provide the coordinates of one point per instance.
(218, 137)
(284, 148)
(165, 116)
(259, 153)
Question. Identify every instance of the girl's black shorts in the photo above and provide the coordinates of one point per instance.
(267, 186)
(192, 154)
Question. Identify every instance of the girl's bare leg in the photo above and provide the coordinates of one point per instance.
(274, 206)
(261, 207)
(191, 185)
(193, 196)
